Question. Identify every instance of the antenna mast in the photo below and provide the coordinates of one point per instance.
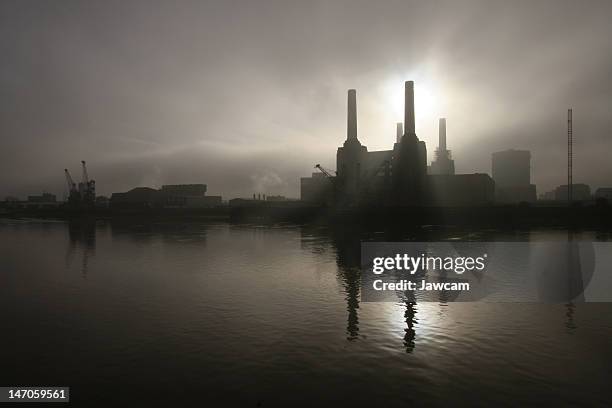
(570, 156)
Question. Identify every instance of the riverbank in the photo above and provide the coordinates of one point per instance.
(598, 217)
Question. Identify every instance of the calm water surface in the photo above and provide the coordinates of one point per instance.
(271, 316)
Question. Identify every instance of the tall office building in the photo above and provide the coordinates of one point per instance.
(512, 175)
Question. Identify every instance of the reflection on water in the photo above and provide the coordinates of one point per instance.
(410, 330)
(570, 324)
(271, 315)
(81, 243)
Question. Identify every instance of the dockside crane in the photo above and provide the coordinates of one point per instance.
(330, 193)
(82, 194)
(71, 184)
(88, 187)
(323, 170)
(74, 197)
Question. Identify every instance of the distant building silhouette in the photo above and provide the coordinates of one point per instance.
(102, 201)
(245, 202)
(276, 198)
(512, 175)
(580, 192)
(604, 193)
(169, 196)
(547, 196)
(317, 189)
(136, 198)
(184, 190)
(461, 190)
(43, 198)
(443, 163)
(187, 196)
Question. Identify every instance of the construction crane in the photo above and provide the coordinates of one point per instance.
(329, 195)
(83, 194)
(323, 170)
(74, 196)
(88, 187)
(71, 184)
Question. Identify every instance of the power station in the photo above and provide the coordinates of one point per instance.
(395, 177)
(443, 163)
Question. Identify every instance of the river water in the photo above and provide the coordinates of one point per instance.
(218, 314)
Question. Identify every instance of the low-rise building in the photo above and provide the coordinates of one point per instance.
(317, 189)
(43, 198)
(460, 190)
(139, 197)
(580, 192)
(169, 196)
(604, 193)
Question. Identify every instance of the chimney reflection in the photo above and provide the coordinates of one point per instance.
(351, 287)
(346, 240)
(348, 258)
(411, 321)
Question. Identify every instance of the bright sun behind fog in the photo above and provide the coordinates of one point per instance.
(427, 101)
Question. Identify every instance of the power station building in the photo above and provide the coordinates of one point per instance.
(443, 163)
(395, 177)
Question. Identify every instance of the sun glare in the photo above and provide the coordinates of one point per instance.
(427, 101)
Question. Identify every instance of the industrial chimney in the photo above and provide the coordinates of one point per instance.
(442, 134)
(409, 108)
(400, 132)
(351, 126)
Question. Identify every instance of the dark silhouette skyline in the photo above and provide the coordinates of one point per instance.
(247, 97)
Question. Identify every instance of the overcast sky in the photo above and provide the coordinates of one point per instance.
(246, 96)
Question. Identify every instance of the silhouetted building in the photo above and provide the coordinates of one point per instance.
(512, 176)
(102, 201)
(409, 163)
(137, 198)
(396, 177)
(351, 157)
(461, 190)
(580, 192)
(245, 202)
(169, 196)
(43, 198)
(365, 176)
(443, 163)
(603, 193)
(276, 198)
(548, 196)
(184, 190)
(317, 189)
(188, 196)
